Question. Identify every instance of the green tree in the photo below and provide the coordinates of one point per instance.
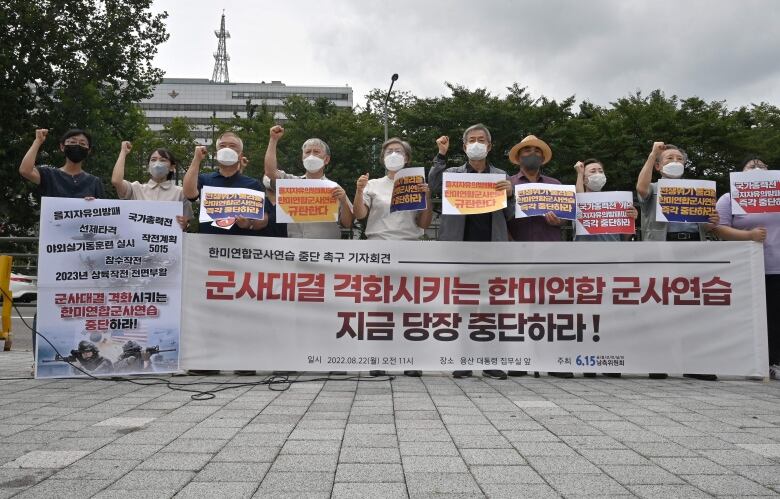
(64, 64)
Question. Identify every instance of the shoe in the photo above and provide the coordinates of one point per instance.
(283, 373)
(589, 375)
(338, 373)
(703, 377)
(612, 375)
(461, 374)
(245, 373)
(774, 371)
(377, 372)
(413, 374)
(494, 373)
(561, 375)
(517, 374)
(657, 375)
(202, 372)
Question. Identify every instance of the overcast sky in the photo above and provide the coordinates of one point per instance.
(597, 50)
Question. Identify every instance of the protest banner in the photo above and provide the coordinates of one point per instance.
(306, 201)
(681, 200)
(109, 287)
(287, 304)
(604, 213)
(409, 190)
(221, 205)
(537, 199)
(472, 193)
(756, 191)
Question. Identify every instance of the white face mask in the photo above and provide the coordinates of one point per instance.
(476, 150)
(394, 161)
(673, 170)
(158, 170)
(227, 157)
(313, 163)
(596, 181)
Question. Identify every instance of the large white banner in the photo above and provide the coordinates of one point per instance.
(109, 287)
(321, 305)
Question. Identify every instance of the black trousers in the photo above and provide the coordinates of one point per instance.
(773, 317)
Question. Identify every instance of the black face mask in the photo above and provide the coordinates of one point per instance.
(532, 162)
(76, 153)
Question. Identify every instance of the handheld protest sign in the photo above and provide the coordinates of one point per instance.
(222, 205)
(681, 200)
(604, 213)
(756, 191)
(538, 199)
(472, 193)
(409, 190)
(306, 201)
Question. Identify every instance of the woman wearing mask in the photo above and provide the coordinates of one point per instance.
(372, 204)
(591, 178)
(762, 228)
(159, 187)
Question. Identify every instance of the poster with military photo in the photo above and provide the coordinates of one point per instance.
(109, 288)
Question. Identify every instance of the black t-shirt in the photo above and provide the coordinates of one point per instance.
(58, 184)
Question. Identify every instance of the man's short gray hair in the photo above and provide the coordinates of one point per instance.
(473, 128)
(231, 134)
(672, 147)
(404, 144)
(315, 142)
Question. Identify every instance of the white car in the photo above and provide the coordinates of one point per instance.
(24, 288)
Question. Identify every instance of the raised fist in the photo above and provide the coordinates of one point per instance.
(40, 135)
(362, 181)
(444, 144)
(201, 152)
(126, 147)
(276, 132)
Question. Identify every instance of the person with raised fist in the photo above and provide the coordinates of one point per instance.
(372, 204)
(160, 187)
(477, 143)
(69, 180)
(315, 156)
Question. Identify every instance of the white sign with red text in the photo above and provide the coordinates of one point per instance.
(316, 305)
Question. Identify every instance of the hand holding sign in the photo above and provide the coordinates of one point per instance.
(338, 193)
(444, 144)
(552, 219)
(504, 185)
(758, 234)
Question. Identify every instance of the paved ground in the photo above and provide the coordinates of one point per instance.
(426, 437)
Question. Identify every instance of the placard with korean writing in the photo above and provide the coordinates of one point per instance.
(756, 191)
(109, 287)
(679, 200)
(306, 201)
(221, 205)
(604, 213)
(323, 305)
(538, 199)
(409, 190)
(472, 193)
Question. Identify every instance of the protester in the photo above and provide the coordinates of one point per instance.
(372, 204)
(160, 187)
(477, 143)
(530, 154)
(762, 228)
(669, 160)
(228, 157)
(591, 178)
(315, 155)
(70, 180)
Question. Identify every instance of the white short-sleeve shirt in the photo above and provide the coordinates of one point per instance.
(381, 224)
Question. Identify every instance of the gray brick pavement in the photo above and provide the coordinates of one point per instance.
(409, 438)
